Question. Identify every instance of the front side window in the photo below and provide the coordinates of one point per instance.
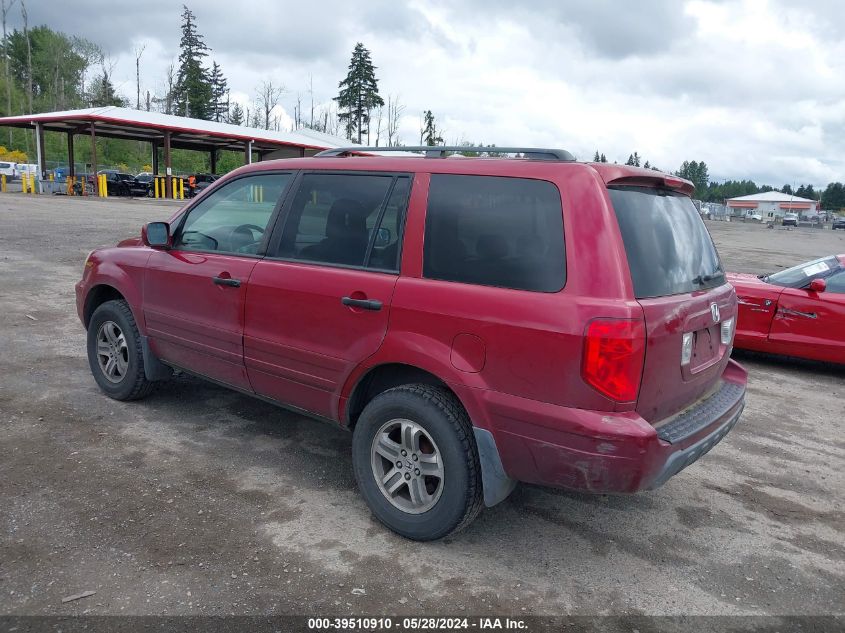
(234, 218)
(836, 283)
(346, 219)
(493, 231)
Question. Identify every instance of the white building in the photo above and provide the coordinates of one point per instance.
(770, 205)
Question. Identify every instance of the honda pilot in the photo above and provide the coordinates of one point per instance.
(474, 322)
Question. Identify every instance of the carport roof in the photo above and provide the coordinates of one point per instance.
(196, 134)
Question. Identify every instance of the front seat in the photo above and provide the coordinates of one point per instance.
(346, 235)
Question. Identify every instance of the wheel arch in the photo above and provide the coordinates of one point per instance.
(496, 484)
(96, 297)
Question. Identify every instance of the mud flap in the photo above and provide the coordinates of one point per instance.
(497, 485)
(154, 369)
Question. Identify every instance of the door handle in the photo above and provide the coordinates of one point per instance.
(366, 304)
(227, 281)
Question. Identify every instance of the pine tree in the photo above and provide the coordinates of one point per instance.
(633, 160)
(358, 94)
(193, 83)
(236, 116)
(597, 158)
(219, 93)
(603, 158)
(430, 134)
(102, 92)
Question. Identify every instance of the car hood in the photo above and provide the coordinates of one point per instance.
(129, 241)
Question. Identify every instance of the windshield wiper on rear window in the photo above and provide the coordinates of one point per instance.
(703, 279)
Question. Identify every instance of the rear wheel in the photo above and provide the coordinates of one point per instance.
(416, 462)
(114, 352)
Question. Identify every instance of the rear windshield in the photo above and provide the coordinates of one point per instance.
(669, 249)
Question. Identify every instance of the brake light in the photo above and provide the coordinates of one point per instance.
(614, 352)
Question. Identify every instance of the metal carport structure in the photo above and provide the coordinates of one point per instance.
(168, 132)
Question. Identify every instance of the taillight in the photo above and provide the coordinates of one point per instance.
(614, 352)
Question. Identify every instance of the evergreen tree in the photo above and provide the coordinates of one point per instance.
(358, 94)
(646, 165)
(699, 175)
(236, 116)
(787, 189)
(193, 83)
(801, 192)
(597, 158)
(633, 159)
(603, 158)
(833, 197)
(102, 92)
(219, 93)
(429, 132)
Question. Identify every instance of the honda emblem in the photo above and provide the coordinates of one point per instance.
(714, 312)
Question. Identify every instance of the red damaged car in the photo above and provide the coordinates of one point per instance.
(473, 322)
(799, 311)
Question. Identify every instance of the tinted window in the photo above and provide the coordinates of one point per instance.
(492, 231)
(836, 283)
(335, 219)
(669, 249)
(234, 218)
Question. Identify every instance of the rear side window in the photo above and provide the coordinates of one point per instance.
(493, 231)
(669, 249)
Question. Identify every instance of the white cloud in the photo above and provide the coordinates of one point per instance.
(753, 87)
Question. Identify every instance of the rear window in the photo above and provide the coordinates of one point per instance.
(493, 231)
(669, 249)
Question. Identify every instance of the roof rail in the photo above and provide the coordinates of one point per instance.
(440, 151)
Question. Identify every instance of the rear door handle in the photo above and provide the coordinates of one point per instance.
(366, 304)
(227, 281)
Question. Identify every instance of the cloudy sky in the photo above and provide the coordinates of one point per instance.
(756, 88)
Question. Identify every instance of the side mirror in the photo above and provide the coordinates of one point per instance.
(156, 235)
(818, 285)
(383, 236)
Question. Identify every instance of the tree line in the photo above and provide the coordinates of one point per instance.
(46, 70)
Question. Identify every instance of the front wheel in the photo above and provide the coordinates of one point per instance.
(416, 462)
(114, 352)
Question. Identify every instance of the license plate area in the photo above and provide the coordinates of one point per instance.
(706, 348)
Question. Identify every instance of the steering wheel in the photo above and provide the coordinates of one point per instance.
(247, 229)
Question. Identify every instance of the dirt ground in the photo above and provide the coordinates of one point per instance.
(198, 500)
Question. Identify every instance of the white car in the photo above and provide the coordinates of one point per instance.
(790, 219)
(10, 170)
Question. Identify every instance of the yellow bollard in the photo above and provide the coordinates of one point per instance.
(174, 190)
(155, 186)
(105, 186)
(181, 189)
(32, 185)
(24, 183)
(3, 183)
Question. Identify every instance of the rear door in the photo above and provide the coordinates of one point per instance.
(679, 282)
(318, 305)
(194, 293)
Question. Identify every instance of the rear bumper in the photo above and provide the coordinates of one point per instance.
(605, 452)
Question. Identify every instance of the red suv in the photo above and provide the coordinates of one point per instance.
(474, 322)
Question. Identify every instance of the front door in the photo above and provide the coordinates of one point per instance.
(812, 324)
(318, 305)
(194, 293)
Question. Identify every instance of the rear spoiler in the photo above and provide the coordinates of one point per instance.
(624, 175)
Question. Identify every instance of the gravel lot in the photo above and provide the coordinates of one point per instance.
(202, 501)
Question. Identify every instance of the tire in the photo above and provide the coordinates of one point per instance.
(441, 504)
(112, 331)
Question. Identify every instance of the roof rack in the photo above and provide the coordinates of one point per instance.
(440, 151)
